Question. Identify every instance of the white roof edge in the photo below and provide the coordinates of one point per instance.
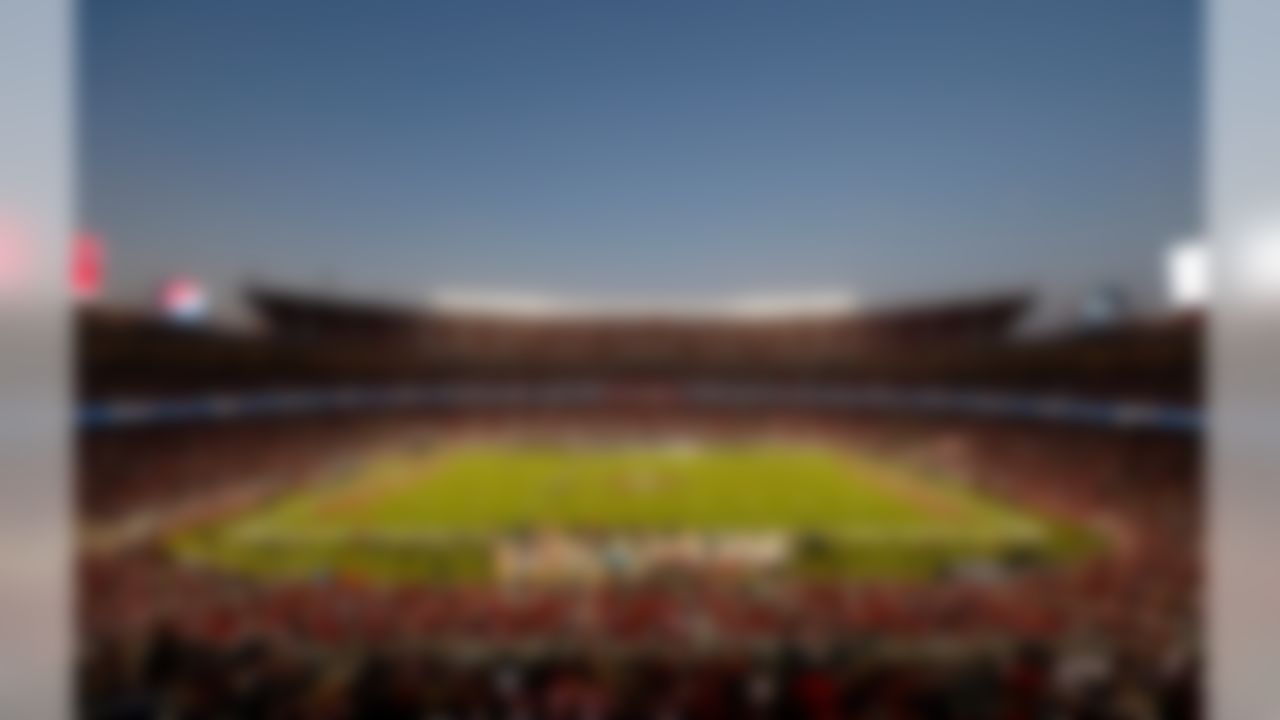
(752, 306)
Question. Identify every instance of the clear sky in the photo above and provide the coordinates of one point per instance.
(683, 148)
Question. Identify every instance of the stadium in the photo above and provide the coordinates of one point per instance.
(358, 509)
(638, 361)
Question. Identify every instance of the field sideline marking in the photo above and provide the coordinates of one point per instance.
(908, 484)
(892, 479)
(361, 491)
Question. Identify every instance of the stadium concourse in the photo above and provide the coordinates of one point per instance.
(184, 429)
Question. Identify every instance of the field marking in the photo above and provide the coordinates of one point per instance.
(363, 490)
(946, 504)
(915, 492)
(352, 500)
(874, 535)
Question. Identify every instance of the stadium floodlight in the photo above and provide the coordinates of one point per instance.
(1187, 274)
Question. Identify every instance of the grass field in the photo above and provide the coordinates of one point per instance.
(436, 515)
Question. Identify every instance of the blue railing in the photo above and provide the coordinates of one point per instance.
(966, 402)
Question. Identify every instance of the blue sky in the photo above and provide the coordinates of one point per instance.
(897, 148)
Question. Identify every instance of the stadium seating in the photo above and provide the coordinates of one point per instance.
(1112, 635)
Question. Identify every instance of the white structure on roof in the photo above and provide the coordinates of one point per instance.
(766, 306)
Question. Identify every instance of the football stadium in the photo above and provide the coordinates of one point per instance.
(638, 361)
(904, 509)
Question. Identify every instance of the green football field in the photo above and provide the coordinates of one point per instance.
(436, 515)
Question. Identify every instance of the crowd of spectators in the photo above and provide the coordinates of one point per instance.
(1111, 636)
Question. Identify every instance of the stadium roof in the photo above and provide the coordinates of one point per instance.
(763, 306)
(785, 307)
